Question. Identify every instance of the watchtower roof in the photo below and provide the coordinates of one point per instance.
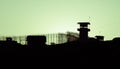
(84, 24)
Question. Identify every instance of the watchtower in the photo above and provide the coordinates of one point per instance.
(83, 30)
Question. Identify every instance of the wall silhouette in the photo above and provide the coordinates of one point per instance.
(94, 48)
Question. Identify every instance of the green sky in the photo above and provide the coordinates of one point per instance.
(24, 17)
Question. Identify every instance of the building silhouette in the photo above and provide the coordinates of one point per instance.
(96, 49)
(83, 31)
(36, 41)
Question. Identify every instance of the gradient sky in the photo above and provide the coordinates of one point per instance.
(25, 17)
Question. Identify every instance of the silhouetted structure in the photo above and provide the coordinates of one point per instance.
(100, 38)
(83, 31)
(93, 48)
(71, 36)
(36, 41)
